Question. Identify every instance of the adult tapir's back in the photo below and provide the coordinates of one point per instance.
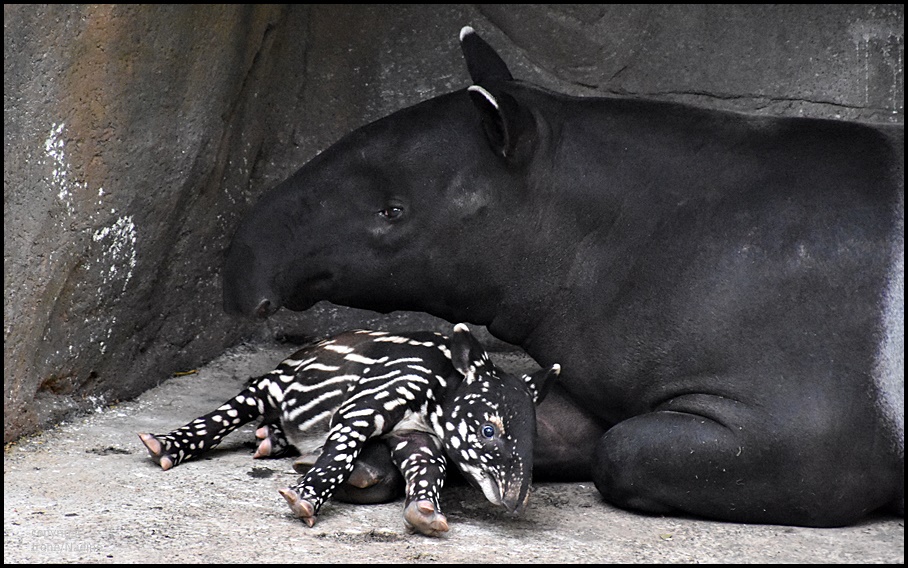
(725, 292)
(709, 241)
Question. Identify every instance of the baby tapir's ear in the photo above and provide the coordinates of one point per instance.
(541, 381)
(466, 351)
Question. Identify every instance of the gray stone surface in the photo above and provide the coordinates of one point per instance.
(135, 137)
(123, 130)
(828, 61)
(88, 492)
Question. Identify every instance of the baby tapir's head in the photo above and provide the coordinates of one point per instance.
(490, 422)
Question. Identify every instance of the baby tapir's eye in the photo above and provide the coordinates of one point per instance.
(487, 430)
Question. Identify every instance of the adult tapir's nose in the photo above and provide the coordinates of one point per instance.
(245, 284)
(265, 308)
(256, 306)
(251, 306)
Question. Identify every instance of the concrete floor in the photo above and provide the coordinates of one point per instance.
(86, 491)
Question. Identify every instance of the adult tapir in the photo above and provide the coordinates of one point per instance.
(724, 292)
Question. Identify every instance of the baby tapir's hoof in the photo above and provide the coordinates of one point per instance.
(421, 516)
(157, 451)
(301, 508)
(273, 443)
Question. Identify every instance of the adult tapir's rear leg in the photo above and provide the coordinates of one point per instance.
(715, 457)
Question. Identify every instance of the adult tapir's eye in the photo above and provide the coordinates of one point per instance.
(392, 212)
(487, 431)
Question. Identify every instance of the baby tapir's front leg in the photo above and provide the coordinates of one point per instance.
(345, 441)
(375, 478)
(363, 416)
(420, 458)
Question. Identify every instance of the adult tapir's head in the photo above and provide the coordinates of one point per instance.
(399, 214)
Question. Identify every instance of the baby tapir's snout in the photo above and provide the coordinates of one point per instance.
(490, 430)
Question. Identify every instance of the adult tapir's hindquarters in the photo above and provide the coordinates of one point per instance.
(724, 292)
(775, 389)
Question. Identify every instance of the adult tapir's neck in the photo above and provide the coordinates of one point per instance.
(610, 172)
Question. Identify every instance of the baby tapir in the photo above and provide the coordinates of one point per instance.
(425, 394)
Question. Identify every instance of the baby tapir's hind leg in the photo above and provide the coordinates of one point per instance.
(422, 462)
(205, 432)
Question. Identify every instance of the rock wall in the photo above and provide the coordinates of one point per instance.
(137, 136)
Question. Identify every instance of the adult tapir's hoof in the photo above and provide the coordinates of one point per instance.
(157, 451)
(421, 516)
(301, 508)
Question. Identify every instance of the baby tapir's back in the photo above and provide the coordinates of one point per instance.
(317, 382)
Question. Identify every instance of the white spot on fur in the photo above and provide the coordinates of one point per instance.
(359, 413)
(392, 339)
(379, 425)
(462, 430)
(403, 360)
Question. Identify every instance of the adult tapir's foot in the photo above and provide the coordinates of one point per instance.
(421, 516)
(158, 450)
(718, 458)
(301, 508)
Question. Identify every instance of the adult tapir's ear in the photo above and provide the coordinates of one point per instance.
(541, 381)
(506, 123)
(483, 63)
(465, 351)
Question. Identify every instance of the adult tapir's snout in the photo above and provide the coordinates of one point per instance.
(268, 264)
(246, 290)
